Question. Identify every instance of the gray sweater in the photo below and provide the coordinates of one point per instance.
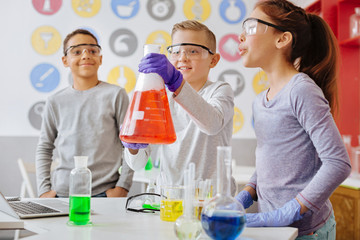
(83, 123)
(299, 152)
(203, 120)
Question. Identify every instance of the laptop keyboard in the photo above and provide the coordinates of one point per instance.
(30, 208)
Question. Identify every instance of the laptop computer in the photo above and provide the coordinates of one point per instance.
(47, 207)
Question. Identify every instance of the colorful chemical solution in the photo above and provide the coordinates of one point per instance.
(148, 119)
(223, 224)
(79, 210)
(171, 209)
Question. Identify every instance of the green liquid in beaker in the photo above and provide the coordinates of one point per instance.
(79, 210)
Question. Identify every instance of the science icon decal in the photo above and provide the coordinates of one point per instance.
(46, 40)
(260, 82)
(197, 9)
(86, 8)
(47, 7)
(160, 9)
(35, 114)
(123, 42)
(228, 47)
(123, 76)
(161, 38)
(235, 79)
(238, 120)
(232, 11)
(125, 8)
(45, 77)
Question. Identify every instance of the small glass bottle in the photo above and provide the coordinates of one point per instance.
(223, 217)
(355, 23)
(80, 193)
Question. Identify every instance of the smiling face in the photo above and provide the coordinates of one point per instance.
(257, 49)
(194, 71)
(86, 65)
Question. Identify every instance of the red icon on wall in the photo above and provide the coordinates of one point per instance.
(47, 7)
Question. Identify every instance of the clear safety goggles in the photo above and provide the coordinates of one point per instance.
(192, 51)
(78, 50)
(252, 26)
(144, 202)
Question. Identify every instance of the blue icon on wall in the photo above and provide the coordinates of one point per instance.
(232, 11)
(125, 8)
(45, 77)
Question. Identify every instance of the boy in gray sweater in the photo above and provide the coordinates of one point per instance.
(84, 119)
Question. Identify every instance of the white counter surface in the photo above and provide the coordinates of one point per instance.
(111, 221)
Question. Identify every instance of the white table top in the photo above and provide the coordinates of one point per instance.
(111, 221)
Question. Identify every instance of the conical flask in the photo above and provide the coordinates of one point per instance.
(148, 118)
(223, 217)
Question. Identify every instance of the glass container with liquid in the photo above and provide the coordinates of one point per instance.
(148, 118)
(188, 226)
(80, 193)
(171, 205)
(223, 217)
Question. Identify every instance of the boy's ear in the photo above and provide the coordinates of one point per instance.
(284, 40)
(64, 60)
(100, 59)
(214, 60)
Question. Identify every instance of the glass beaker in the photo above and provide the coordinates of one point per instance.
(171, 205)
(148, 118)
(188, 226)
(223, 217)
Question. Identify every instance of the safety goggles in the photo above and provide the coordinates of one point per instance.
(251, 26)
(144, 203)
(78, 50)
(192, 51)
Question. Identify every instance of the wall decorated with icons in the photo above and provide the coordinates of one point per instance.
(33, 31)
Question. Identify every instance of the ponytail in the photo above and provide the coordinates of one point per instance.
(320, 59)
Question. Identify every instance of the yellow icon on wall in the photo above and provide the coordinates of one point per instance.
(238, 120)
(122, 76)
(46, 40)
(197, 9)
(260, 82)
(160, 37)
(86, 8)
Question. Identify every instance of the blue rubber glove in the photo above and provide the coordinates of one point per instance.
(134, 145)
(244, 198)
(158, 63)
(280, 217)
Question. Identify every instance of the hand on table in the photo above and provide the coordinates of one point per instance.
(280, 217)
(158, 63)
(116, 192)
(49, 194)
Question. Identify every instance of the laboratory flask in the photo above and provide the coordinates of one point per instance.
(223, 217)
(80, 193)
(148, 118)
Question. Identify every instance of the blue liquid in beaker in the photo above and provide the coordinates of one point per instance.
(223, 224)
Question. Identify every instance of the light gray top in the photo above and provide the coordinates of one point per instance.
(203, 120)
(299, 151)
(83, 123)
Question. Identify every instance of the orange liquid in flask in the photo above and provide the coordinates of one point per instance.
(148, 119)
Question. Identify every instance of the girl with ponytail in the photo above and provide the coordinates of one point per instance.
(300, 156)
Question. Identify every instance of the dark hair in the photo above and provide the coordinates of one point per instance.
(315, 49)
(73, 33)
(194, 25)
